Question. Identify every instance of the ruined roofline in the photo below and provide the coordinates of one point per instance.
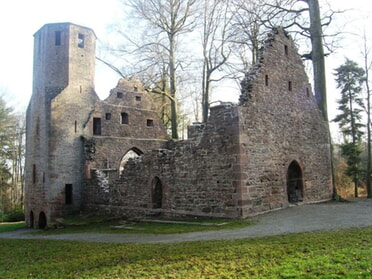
(252, 73)
(65, 23)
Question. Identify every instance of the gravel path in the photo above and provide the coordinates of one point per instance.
(305, 218)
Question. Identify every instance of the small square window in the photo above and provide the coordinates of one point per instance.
(150, 123)
(119, 95)
(81, 38)
(108, 116)
(138, 98)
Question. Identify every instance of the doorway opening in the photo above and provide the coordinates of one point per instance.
(31, 219)
(294, 183)
(157, 193)
(42, 220)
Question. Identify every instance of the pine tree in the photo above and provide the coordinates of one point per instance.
(349, 79)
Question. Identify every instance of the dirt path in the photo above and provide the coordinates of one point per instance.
(305, 218)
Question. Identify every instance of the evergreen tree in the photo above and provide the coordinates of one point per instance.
(349, 79)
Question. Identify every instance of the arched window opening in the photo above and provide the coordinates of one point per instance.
(31, 219)
(42, 220)
(294, 183)
(157, 193)
(132, 153)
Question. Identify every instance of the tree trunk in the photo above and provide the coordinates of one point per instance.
(172, 77)
(317, 56)
(369, 155)
(320, 84)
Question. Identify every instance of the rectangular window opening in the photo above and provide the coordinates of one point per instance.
(96, 126)
(108, 116)
(81, 38)
(124, 118)
(58, 38)
(33, 173)
(150, 123)
(68, 194)
(138, 98)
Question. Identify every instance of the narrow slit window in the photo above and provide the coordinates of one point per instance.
(58, 38)
(124, 118)
(96, 126)
(81, 39)
(68, 194)
(307, 92)
(33, 173)
(286, 49)
(266, 80)
(150, 123)
(75, 126)
(289, 85)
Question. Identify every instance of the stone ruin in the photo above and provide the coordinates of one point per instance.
(113, 156)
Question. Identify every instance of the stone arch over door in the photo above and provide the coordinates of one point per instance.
(295, 184)
(42, 220)
(131, 153)
(157, 193)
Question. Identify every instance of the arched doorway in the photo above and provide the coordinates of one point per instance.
(31, 219)
(42, 220)
(294, 183)
(157, 193)
(132, 153)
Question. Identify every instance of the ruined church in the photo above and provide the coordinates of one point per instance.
(113, 156)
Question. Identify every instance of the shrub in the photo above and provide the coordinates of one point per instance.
(15, 215)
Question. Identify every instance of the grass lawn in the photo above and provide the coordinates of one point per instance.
(6, 227)
(99, 225)
(337, 254)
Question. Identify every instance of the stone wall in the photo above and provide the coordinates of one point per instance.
(197, 176)
(261, 155)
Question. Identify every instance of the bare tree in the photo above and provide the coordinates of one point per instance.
(215, 42)
(165, 20)
(367, 67)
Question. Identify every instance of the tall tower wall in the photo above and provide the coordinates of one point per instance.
(63, 97)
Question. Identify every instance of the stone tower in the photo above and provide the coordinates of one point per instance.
(63, 98)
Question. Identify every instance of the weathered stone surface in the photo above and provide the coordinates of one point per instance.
(270, 150)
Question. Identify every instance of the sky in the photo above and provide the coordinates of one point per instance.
(20, 19)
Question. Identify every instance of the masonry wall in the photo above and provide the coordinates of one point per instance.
(247, 159)
(281, 124)
(197, 176)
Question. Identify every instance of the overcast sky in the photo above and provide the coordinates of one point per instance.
(20, 19)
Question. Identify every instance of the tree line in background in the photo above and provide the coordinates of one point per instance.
(12, 156)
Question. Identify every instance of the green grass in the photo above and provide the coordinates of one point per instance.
(97, 225)
(337, 254)
(6, 227)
